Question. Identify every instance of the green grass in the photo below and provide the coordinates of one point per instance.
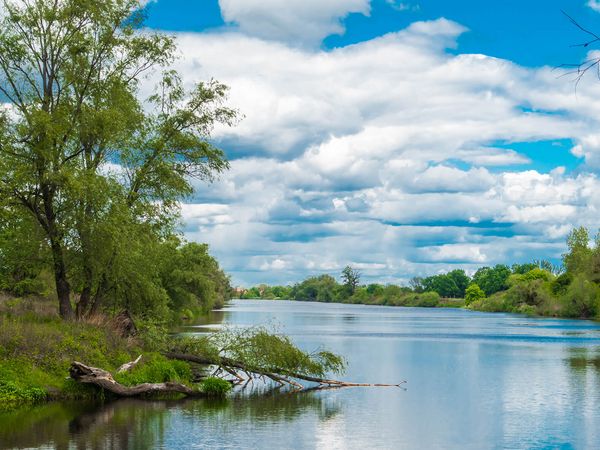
(37, 349)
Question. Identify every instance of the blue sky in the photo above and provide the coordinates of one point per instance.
(402, 137)
(531, 33)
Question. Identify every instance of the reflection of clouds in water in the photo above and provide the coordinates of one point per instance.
(331, 434)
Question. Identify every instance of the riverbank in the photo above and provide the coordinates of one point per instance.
(37, 348)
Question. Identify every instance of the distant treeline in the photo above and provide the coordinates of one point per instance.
(537, 288)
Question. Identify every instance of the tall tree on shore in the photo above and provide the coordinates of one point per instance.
(351, 279)
(94, 165)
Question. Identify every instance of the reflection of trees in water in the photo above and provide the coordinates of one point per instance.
(584, 365)
(266, 405)
(128, 424)
(583, 359)
(140, 424)
(216, 317)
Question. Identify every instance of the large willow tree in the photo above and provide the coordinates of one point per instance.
(85, 162)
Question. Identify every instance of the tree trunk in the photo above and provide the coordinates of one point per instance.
(63, 289)
(101, 378)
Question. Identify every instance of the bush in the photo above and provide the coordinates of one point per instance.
(494, 303)
(533, 292)
(561, 283)
(537, 274)
(527, 310)
(215, 387)
(473, 293)
(12, 395)
(581, 299)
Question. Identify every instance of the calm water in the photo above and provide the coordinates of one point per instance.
(475, 381)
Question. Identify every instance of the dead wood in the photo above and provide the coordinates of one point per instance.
(282, 377)
(101, 378)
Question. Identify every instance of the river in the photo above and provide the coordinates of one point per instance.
(474, 381)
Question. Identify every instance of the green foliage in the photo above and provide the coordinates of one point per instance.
(537, 274)
(155, 368)
(443, 285)
(523, 268)
(259, 349)
(36, 350)
(323, 288)
(494, 303)
(492, 279)
(581, 299)
(473, 293)
(577, 259)
(561, 283)
(71, 71)
(533, 292)
(215, 387)
(193, 279)
(351, 279)
(13, 395)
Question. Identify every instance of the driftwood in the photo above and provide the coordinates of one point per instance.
(281, 377)
(101, 378)
(130, 365)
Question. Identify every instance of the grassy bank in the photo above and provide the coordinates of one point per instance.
(37, 348)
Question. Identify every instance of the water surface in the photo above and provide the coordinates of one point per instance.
(474, 381)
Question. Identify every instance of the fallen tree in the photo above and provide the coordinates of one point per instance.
(242, 374)
(257, 353)
(104, 379)
(239, 356)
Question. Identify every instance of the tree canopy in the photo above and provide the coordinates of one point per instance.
(91, 173)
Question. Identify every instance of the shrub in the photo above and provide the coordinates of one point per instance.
(531, 292)
(215, 387)
(537, 274)
(494, 303)
(473, 293)
(561, 283)
(12, 395)
(526, 309)
(581, 299)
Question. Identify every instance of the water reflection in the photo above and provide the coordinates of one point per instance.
(139, 424)
(475, 381)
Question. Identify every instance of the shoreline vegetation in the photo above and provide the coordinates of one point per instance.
(540, 288)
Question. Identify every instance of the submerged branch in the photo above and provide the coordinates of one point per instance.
(280, 376)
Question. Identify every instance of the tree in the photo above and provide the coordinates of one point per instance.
(577, 259)
(316, 289)
(461, 280)
(444, 285)
(492, 279)
(351, 279)
(473, 293)
(71, 72)
(416, 284)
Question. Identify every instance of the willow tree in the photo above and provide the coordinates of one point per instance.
(93, 163)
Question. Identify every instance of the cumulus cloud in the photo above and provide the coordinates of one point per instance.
(393, 155)
(299, 22)
(594, 4)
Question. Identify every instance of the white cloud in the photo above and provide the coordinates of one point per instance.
(594, 4)
(298, 22)
(389, 154)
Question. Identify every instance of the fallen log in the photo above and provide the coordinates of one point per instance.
(281, 377)
(101, 378)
